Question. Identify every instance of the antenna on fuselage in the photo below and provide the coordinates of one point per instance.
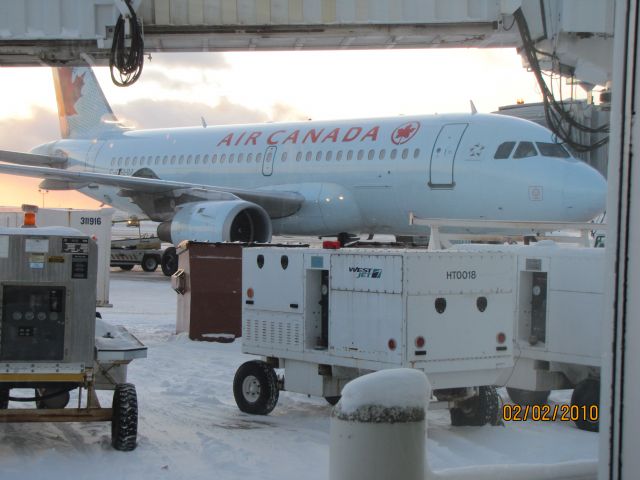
(474, 110)
(204, 122)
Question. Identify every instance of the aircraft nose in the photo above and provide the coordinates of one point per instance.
(585, 192)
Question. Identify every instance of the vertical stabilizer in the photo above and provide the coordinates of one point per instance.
(82, 107)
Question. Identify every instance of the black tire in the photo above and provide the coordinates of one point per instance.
(57, 401)
(476, 411)
(126, 268)
(4, 398)
(149, 263)
(586, 394)
(124, 422)
(333, 400)
(528, 397)
(255, 388)
(169, 262)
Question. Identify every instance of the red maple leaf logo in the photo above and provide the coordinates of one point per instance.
(405, 132)
(71, 90)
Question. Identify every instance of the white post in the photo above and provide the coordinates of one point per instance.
(378, 427)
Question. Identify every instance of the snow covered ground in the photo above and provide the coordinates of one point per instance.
(190, 427)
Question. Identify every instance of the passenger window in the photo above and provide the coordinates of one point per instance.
(360, 154)
(318, 156)
(126, 161)
(350, 155)
(552, 150)
(524, 150)
(223, 157)
(283, 158)
(214, 158)
(308, 157)
(250, 158)
(405, 153)
(113, 161)
(189, 160)
(416, 153)
(165, 159)
(134, 161)
(240, 157)
(197, 160)
(181, 159)
(173, 159)
(328, 156)
(372, 154)
(339, 156)
(382, 153)
(231, 157)
(298, 156)
(394, 154)
(206, 159)
(504, 150)
(258, 158)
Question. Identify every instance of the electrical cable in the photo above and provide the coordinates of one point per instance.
(126, 63)
(559, 118)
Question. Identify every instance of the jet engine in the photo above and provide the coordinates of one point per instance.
(220, 221)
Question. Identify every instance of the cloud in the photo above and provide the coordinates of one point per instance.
(22, 134)
(148, 113)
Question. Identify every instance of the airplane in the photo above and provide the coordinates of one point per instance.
(324, 178)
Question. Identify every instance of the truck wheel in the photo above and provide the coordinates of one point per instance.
(586, 394)
(528, 397)
(255, 388)
(124, 422)
(126, 268)
(149, 263)
(4, 398)
(333, 400)
(169, 262)
(479, 410)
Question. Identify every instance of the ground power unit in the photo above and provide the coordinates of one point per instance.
(558, 325)
(48, 333)
(328, 316)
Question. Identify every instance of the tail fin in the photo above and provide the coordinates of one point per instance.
(82, 107)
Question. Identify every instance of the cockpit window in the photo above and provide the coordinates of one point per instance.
(504, 150)
(552, 150)
(525, 149)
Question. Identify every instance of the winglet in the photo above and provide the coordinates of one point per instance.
(473, 108)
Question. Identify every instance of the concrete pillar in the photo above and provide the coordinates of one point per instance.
(378, 427)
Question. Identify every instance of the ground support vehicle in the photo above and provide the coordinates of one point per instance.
(50, 339)
(328, 316)
(144, 251)
(558, 324)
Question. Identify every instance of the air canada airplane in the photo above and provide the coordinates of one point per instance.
(247, 182)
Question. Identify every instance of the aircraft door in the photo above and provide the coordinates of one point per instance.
(92, 155)
(269, 159)
(444, 154)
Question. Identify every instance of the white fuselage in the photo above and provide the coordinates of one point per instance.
(361, 175)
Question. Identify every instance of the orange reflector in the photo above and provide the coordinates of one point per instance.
(392, 344)
(501, 337)
(420, 342)
(29, 219)
(249, 292)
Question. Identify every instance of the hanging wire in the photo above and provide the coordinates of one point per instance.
(126, 63)
(559, 117)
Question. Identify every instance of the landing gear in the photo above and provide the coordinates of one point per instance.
(586, 396)
(478, 410)
(169, 261)
(255, 388)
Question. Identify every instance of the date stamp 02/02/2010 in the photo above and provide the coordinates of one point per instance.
(550, 413)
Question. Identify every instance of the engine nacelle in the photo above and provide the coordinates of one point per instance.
(223, 221)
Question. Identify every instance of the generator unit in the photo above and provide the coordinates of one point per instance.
(329, 316)
(48, 332)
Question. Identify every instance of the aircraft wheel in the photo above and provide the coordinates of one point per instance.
(585, 396)
(255, 388)
(528, 397)
(126, 268)
(169, 263)
(149, 263)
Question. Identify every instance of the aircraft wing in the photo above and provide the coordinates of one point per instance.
(32, 159)
(143, 190)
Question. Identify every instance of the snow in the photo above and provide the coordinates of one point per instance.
(190, 427)
(398, 387)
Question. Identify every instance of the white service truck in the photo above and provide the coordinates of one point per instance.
(328, 316)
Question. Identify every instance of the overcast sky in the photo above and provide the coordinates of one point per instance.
(224, 88)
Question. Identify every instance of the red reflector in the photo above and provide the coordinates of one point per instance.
(392, 344)
(249, 292)
(501, 337)
(419, 342)
(331, 244)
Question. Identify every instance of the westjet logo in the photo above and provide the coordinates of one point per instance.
(363, 272)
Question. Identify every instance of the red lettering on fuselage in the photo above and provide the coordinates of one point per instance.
(313, 135)
(226, 140)
(373, 134)
(352, 134)
(292, 138)
(270, 139)
(332, 135)
(252, 138)
(282, 137)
